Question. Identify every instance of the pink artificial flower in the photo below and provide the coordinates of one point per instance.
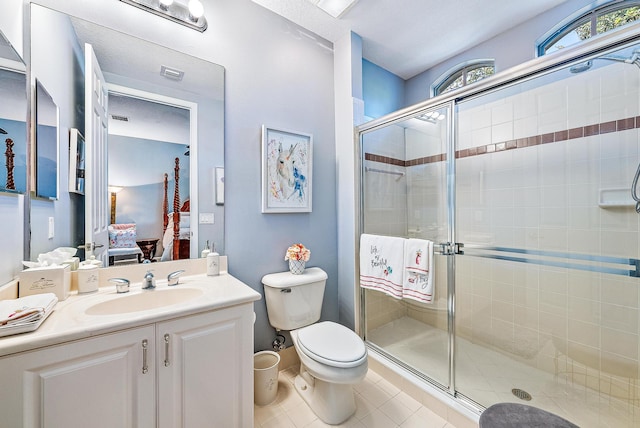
(298, 252)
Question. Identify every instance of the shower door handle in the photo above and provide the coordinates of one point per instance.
(449, 248)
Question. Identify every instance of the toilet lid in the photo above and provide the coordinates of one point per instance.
(332, 344)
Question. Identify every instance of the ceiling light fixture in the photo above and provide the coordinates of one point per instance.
(171, 73)
(431, 116)
(336, 8)
(190, 15)
(196, 10)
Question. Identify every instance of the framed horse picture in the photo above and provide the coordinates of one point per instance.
(287, 159)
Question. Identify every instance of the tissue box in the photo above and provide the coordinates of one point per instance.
(47, 279)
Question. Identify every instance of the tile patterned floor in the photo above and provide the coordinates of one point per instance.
(379, 405)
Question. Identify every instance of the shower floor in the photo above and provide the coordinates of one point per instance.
(488, 376)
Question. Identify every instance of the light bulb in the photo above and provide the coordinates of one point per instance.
(196, 10)
(164, 4)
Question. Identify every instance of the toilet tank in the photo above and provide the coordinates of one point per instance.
(294, 301)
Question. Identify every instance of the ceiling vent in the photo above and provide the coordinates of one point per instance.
(120, 118)
(171, 73)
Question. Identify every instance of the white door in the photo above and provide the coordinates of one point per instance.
(96, 186)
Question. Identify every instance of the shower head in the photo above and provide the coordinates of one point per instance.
(633, 59)
(584, 66)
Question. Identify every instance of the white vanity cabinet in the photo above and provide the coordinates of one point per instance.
(193, 371)
(96, 382)
(205, 370)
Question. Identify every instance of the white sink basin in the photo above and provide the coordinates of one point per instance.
(144, 301)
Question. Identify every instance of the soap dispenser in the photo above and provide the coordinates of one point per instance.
(205, 251)
(213, 263)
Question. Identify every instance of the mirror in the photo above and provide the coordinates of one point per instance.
(13, 120)
(46, 153)
(144, 72)
(13, 166)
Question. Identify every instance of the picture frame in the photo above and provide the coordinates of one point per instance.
(76, 161)
(287, 166)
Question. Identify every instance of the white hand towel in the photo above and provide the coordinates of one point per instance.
(381, 261)
(418, 254)
(418, 270)
(26, 310)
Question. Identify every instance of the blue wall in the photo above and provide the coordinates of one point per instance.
(276, 78)
(383, 91)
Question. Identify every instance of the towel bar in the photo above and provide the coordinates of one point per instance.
(550, 258)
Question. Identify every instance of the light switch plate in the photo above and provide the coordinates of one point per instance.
(207, 218)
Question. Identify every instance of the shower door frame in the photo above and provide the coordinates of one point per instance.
(446, 249)
(541, 66)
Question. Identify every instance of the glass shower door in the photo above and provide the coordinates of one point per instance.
(405, 195)
(547, 302)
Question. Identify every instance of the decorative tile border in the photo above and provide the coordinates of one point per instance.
(384, 159)
(552, 137)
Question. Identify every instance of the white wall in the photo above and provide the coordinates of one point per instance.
(349, 111)
(509, 49)
(11, 24)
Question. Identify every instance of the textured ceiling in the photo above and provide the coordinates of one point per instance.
(409, 36)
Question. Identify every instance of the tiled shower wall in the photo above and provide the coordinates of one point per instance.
(563, 186)
(389, 210)
(539, 167)
(385, 207)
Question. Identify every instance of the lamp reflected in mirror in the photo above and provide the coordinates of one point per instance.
(114, 190)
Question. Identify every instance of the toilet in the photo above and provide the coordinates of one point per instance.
(332, 357)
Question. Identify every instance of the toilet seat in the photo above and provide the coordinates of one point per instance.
(332, 344)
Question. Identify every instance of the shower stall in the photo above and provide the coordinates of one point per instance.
(524, 184)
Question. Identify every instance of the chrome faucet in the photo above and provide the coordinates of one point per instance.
(174, 277)
(122, 284)
(149, 282)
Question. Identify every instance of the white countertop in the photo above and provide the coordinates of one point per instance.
(69, 320)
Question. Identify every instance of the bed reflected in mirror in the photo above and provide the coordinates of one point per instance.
(149, 179)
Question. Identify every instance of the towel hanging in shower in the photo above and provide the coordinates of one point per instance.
(381, 262)
(418, 270)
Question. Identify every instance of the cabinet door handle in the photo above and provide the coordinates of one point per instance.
(145, 366)
(166, 350)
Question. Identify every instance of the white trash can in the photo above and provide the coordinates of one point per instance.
(265, 377)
